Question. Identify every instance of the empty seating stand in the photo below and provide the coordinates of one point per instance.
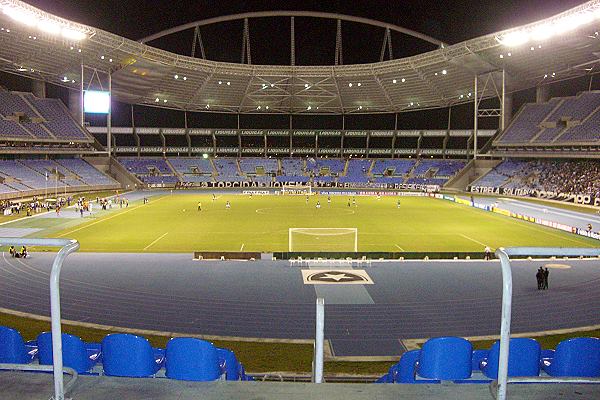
(24, 116)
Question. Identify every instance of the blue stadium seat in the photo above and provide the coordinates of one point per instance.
(13, 350)
(477, 357)
(77, 354)
(129, 355)
(578, 357)
(231, 363)
(405, 370)
(191, 359)
(445, 358)
(523, 358)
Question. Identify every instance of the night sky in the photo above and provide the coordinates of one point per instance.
(448, 21)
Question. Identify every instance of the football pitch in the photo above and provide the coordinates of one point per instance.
(173, 223)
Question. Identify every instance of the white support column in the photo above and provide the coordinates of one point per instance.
(109, 117)
(82, 115)
(503, 102)
(319, 341)
(475, 117)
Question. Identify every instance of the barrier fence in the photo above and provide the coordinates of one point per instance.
(504, 256)
(66, 247)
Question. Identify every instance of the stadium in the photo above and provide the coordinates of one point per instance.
(312, 201)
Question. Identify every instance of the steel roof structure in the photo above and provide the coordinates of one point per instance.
(41, 46)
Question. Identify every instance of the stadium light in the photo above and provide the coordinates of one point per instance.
(20, 15)
(72, 34)
(204, 155)
(53, 27)
(564, 23)
(49, 27)
(394, 81)
(403, 80)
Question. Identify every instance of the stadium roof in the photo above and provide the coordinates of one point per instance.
(39, 45)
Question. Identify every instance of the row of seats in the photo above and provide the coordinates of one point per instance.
(300, 170)
(126, 355)
(44, 119)
(35, 174)
(453, 359)
(558, 121)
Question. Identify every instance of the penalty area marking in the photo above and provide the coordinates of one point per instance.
(401, 249)
(156, 240)
(473, 240)
(242, 248)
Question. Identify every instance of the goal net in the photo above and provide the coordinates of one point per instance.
(323, 239)
(296, 189)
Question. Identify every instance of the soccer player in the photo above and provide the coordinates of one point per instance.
(354, 202)
(398, 203)
(227, 205)
(306, 199)
(214, 197)
(378, 196)
(199, 206)
(590, 227)
(348, 202)
(318, 204)
(328, 199)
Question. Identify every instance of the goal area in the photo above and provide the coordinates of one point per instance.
(323, 239)
(296, 190)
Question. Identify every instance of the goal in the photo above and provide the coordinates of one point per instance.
(296, 189)
(323, 239)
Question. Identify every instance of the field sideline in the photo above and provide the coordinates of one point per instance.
(172, 223)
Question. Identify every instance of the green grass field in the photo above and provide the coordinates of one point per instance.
(172, 223)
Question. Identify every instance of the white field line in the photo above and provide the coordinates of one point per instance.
(156, 240)
(473, 240)
(401, 249)
(242, 248)
(106, 219)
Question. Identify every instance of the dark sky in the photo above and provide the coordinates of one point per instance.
(448, 21)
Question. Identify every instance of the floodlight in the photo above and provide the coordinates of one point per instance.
(542, 32)
(49, 27)
(73, 34)
(515, 38)
(20, 15)
(394, 81)
(204, 155)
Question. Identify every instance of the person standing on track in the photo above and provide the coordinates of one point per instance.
(488, 253)
(540, 278)
(546, 274)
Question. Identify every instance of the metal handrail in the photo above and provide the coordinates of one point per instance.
(67, 246)
(504, 255)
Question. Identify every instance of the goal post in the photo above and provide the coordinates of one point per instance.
(296, 189)
(323, 239)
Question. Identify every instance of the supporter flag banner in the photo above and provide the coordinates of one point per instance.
(584, 199)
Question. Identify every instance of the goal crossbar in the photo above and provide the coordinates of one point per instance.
(323, 232)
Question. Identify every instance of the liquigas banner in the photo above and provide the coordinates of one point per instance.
(540, 194)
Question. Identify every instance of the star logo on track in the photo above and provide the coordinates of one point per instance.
(336, 277)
